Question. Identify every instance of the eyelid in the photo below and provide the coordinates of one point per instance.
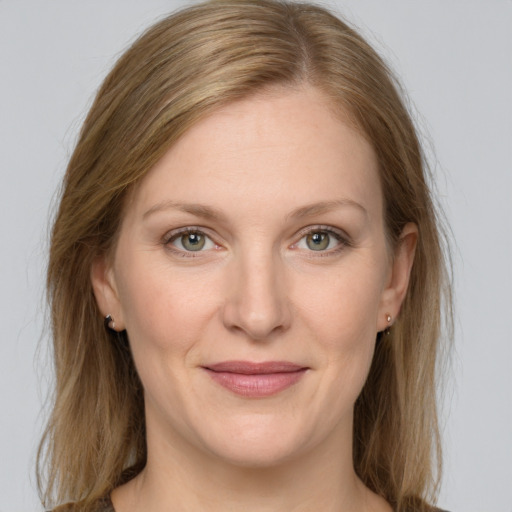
(322, 227)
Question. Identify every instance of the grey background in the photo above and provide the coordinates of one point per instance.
(455, 59)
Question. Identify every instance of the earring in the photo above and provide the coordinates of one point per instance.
(119, 336)
(387, 330)
(109, 323)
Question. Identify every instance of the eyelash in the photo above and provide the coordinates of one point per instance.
(341, 237)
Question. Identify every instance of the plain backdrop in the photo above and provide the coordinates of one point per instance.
(455, 60)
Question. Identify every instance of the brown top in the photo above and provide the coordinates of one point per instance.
(102, 505)
(105, 505)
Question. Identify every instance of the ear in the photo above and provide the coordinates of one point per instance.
(398, 279)
(105, 291)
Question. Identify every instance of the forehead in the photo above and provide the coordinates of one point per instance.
(285, 144)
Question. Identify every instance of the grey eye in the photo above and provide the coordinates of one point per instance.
(193, 241)
(318, 240)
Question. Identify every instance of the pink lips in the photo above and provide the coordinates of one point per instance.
(255, 380)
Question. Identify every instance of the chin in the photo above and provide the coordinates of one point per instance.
(258, 443)
(258, 455)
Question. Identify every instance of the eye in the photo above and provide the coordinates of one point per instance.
(191, 241)
(321, 240)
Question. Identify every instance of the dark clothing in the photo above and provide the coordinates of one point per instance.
(105, 505)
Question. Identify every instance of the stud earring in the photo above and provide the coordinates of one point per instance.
(119, 336)
(109, 323)
(387, 330)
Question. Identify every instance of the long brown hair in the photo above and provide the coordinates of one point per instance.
(180, 70)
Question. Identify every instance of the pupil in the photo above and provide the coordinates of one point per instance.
(318, 238)
(193, 238)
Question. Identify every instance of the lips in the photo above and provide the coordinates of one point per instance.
(255, 380)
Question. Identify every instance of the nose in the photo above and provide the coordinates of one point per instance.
(257, 303)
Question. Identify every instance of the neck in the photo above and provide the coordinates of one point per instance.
(186, 479)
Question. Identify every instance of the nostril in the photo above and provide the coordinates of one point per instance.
(259, 320)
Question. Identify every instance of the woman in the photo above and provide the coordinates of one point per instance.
(246, 277)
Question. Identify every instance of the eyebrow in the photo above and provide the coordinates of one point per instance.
(199, 210)
(211, 213)
(326, 206)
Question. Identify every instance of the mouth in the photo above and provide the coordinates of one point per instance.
(255, 380)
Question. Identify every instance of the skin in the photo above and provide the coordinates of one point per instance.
(262, 174)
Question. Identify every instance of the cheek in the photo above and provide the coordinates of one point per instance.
(345, 304)
(166, 314)
(163, 309)
(342, 312)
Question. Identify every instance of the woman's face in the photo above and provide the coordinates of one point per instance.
(252, 275)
